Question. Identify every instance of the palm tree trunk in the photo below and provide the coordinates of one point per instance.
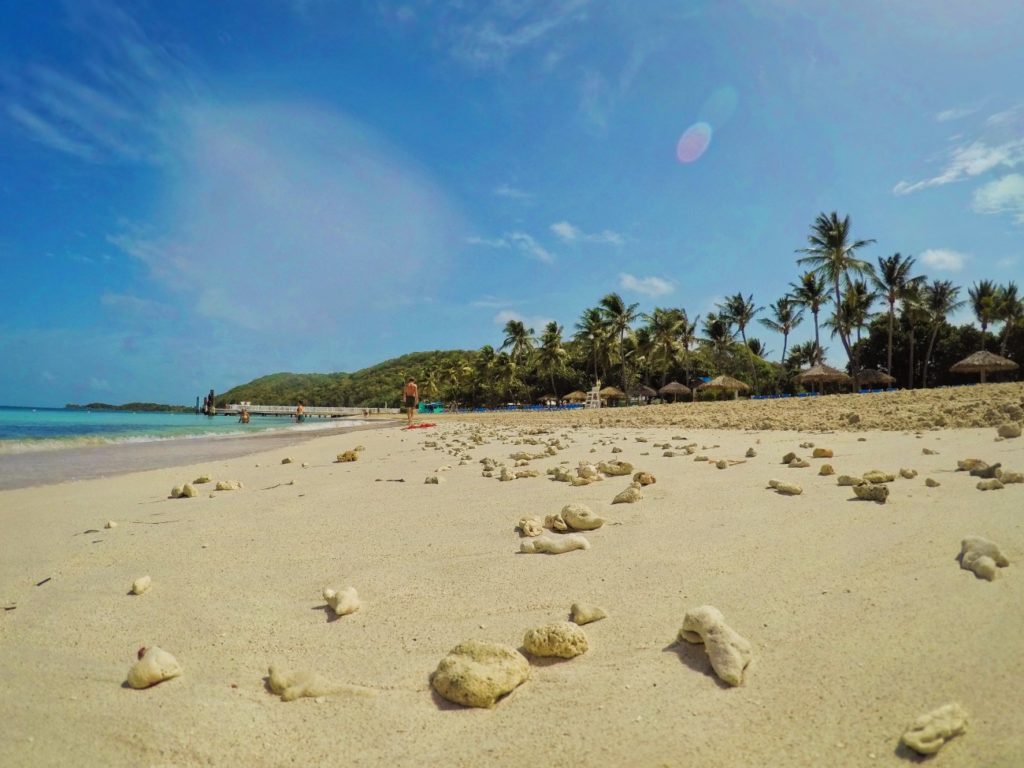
(910, 371)
(750, 354)
(785, 340)
(817, 341)
(928, 356)
(892, 319)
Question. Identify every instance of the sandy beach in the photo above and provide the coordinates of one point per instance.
(858, 614)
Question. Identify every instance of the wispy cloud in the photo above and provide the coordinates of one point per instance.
(1004, 195)
(506, 190)
(134, 305)
(523, 242)
(536, 322)
(492, 302)
(1001, 145)
(570, 233)
(947, 115)
(649, 286)
(944, 259)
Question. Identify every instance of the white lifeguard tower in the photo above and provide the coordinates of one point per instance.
(594, 396)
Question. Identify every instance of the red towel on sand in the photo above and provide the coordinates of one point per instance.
(421, 425)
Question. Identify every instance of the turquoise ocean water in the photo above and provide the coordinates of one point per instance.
(35, 429)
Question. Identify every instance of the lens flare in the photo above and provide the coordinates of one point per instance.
(693, 143)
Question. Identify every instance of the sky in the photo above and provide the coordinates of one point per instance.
(194, 193)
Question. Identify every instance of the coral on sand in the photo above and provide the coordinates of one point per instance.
(295, 684)
(630, 495)
(563, 639)
(872, 492)
(584, 613)
(930, 731)
(530, 526)
(728, 652)
(141, 584)
(786, 489)
(580, 517)
(342, 601)
(154, 666)
(478, 674)
(982, 556)
(554, 545)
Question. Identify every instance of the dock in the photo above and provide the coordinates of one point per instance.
(312, 411)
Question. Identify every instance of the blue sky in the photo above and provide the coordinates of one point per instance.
(194, 194)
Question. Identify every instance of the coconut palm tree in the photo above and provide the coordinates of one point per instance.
(741, 312)
(593, 337)
(807, 354)
(891, 278)
(618, 317)
(518, 340)
(914, 315)
(665, 327)
(687, 338)
(1010, 310)
(811, 292)
(857, 300)
(940, 300)
(551, 354)
(985, 303)
(785, 317)
(483, 371)
(757, 347)
(718, 336)
(507, 376)
(832, 254)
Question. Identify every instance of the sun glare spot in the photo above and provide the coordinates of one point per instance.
(693, 143)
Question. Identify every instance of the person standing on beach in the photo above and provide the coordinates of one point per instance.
(412, 396)
(299, 411)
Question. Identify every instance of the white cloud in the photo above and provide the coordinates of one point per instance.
(505, 190)
(536, 322)
(529, 246)
(944, 259)
(649, 286)
(497, 242)
(955, 114)
(570, 233)
(1005, 195)
(491, 302)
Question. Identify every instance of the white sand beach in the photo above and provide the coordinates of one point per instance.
(859, 616)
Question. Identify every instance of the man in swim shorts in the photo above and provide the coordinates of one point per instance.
(411, 393)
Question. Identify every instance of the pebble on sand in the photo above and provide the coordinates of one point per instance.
(1009, 430)
(342, 601)
(141, 584)
(785, 489)
(228, 485)
(562, 639)
(931, 482)
(345, 457)
(287, 460)
(982, 556)
(729, 653)
(202, 479)
(110, 524)
(154, 666)
(644, 478)
(872, 492)
(630, 495)
(554, 545)
(822, 453)
(825, 470)
(930, 731)
(908, 474)
(992, 484)
(478, 674)
(580, 517)
(584, 613)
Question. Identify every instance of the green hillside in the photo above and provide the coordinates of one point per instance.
(369, 387)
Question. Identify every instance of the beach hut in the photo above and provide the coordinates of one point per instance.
(822, 374)
(675, 389)
(575, 397)
(612, 393)
(725, 384)
(983, 362)
(872, 377)
(642, 392)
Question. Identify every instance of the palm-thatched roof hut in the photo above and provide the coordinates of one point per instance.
(642, 391)
(725, 383)
(983, 362)
(675, 389)
(870, 377)
(822, 374)
(612, 393)
(575, 397)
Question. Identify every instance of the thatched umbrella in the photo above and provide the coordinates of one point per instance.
(675, 389)
(822, 374)
(612, 393)
(727, 383)
(576, 397)
(983, 362)
(642, 390)
(872, 376)
(547, 399)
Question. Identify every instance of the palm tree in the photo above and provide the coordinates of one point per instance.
(809, 353)
(985, 303)
(506, 371)
(891, 278)
(857, 300)
(518, 340)
(741, 312)
(665, 327)
(940, 300)
(592, 336)
(618, 317)
(757, 347)
(551, 354)
(832, 254)
(717, 335)
(1010, 310)
(687, 338)
(785, 317)
(914, 314)
(810, 293)
(483, 370)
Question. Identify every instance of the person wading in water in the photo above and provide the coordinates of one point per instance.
(412, 396)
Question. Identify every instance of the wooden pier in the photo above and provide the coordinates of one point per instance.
(312, 411)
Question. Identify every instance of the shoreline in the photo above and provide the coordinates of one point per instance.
(32, 469)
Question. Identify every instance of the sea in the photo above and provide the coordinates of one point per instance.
(41, 446)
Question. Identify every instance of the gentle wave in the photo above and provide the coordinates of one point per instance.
(31, 445)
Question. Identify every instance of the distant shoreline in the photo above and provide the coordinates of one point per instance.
(39, 468)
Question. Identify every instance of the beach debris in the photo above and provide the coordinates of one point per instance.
(345, 457)
(849, 480)
(1010, 478)
(630, 495)
(554, 545)
(982, 556)
(202, 480)
(562, 639)
(729, 653)
(826, 469)
(722, 464)
(992, 484)
(1009, 430)
(153, 666)
(506, 475)
(110, 524)
(616, 449)
(877, 476)
(908, 474)
(185, 491)
(786, 489)
(751, 453)
(287, 460)
(580, 517)
(478, 674)
(930, 731)
(929, 452)
(433, 480)
(644, 478)
(872, 492)
(526, 473)
(702, 457)
(615, 468)
(296, 684)
(141, 584)
(799, 463)
(966, 465)
(530, 526)
(556, 522)
(931, 482)
(807, 444)
(342, 601)
(584, 613)
(228, 485)
(987, 472)
(822, 453)
(789, 457)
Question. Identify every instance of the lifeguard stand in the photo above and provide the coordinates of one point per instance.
(594, 396)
